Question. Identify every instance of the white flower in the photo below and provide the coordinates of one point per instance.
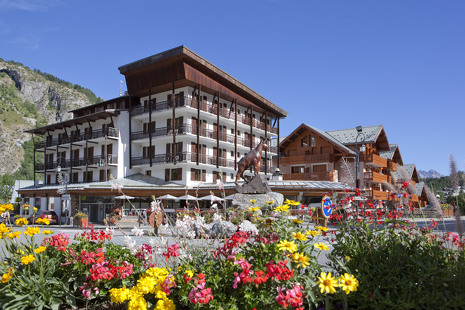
(130, 244)
(155, 206)
(220, 184)
(137, 232)
(116, 186)
(216, 217)
(110, 231)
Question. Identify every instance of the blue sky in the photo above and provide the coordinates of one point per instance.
(333, 64)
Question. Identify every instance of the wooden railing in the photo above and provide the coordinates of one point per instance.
(392, 166)
(377, 195)
(374, 160)
(376, 177)
(309, 176)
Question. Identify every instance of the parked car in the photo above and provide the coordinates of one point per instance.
(50, 215)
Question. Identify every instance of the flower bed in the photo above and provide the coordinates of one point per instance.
(270, 262)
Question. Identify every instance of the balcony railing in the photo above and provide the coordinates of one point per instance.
(313, 158)
(99, 161)
(377, 195)
(204, 106)
(187, 128)
(374, 160)
(376, 177)
(94, 134)
(392, 166)
(309, 176)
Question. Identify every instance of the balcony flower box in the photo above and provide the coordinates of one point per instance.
(81, 220)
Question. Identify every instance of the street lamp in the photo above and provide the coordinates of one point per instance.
(360, 135)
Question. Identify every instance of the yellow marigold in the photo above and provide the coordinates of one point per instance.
(21, 221)
(299, 236)
(189, 273)
(40, 249)
(34, 209)
(321, 228)
(31, 231)
(119, 295)
(13, 235)
(327, 283)
(26, 206)
(47, 232)
(165, 304)
(348, 283)
(301, 260)
(297, 221)
(313, 232)
(157, 272)
(289, 246)
(27, 259)
(138, 302)
(283, 208)
(321, 246)
(7, 276)
(43, 221)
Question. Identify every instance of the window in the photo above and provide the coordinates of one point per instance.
(297, 169)
(232, 153)
(196, 174)
(312, 141)
(303, 142)
(148, 173)
(176, 174)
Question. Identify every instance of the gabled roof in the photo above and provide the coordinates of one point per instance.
(410, 171)
(373, 134)
(419, 188)
(393, 154)
(298, 131)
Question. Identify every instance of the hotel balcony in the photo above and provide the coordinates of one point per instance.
(187, 157)
(93, 135)
(376, 177)
(392, 166)
(374, 160)
(189, 129)
(205, 107)
(309, 176)
(92, 162)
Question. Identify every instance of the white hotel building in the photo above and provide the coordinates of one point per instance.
(182, 124)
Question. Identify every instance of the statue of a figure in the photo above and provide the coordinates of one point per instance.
(252, 158)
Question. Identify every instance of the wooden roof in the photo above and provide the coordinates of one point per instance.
(180, 65)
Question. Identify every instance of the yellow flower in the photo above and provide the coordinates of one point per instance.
(40, 249)
(327, 283)
(297, 221)
(301, 259)
(347, 258)
(348, 283)
(4, 229)
(321, 246)
(321, 228)
(299, 236)
(289, 246)
(137, 302)
(27, 259)
(21, 221)
(313, 232)
(43, 221)
(270, 202)
(47, 232)
(253, 201)
(254, 209)
(119, 295)
(291, 202)
(283, 208)
(7, 276)
(189, 273)
(34, 209)
(13, 235)
(31, 231)
(165, 304)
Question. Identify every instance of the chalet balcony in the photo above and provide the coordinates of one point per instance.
(91, 135)
(300, 159)
(309, 176)
(374, 160)
(96, 161)
(392, 166)
(376, 177)
(414, 198)
(377, 195)
(206, 107)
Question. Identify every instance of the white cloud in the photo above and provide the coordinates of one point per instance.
(30, 5)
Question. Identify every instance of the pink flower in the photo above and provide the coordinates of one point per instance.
(172, 251)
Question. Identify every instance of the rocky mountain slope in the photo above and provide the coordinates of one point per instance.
(30, 99)
(429, 174)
